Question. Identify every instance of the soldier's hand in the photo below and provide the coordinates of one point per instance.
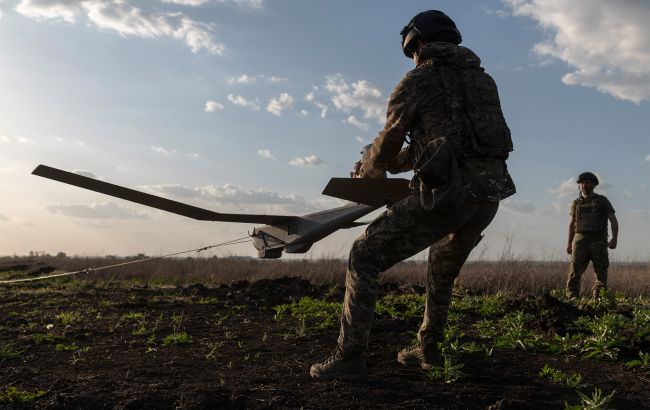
(569, 249)
(356, 172)
(612, 243)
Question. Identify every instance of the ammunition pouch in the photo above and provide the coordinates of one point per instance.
(439, 176)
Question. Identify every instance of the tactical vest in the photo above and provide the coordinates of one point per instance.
(589, 214)
(476, 111)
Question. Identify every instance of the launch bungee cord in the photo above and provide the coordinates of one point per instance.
(91, 270)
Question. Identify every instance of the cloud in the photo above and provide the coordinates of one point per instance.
(251, 79)
(524, 207)
(323, 109)
(85, 173)
(69, 141)
(6, 140)
(240, 200)
(224, 194)
(96, 211)
(638, 214)
(606, 43)
(627, 193)
(569, 187)
(243, 102)
(307, 161)
(163, 151)
(252, 4)
(127, 20)
(23, 140)
(647, 158)
(359, 124)
(7, 171)
(4, 218)
(212, 106)
(360, 95)
(265, 153)
(277, 105)
(244, 79)
(194, 155)
(186, 2)
(359, 140)
(275, 79)
(496, 12)
(566, 188)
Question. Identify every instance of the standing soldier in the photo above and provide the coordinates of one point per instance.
(588, 235)
(448, 112)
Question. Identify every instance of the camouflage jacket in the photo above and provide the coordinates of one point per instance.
(447, 95)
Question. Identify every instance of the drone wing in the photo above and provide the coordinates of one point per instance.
(367, 191)
(153, 201)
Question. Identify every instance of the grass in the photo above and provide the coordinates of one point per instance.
(68, 318)
(10, 351)
(320, 314)
(14, 396)
(45, 338)
(406, 306)
(511, 274)
(597, 401)
(573, 379)
(177, 337)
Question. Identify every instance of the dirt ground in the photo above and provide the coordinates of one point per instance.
(110, 347)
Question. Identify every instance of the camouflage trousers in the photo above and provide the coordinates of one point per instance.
(587, 248)
(402, 231)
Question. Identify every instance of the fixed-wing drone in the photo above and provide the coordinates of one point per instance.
(288, 233)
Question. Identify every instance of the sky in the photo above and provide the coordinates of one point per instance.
(253, 105)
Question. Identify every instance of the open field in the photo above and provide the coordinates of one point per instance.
(188, 333)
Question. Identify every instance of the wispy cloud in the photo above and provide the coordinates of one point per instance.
(212, 106)
(265, 153)
(85, 173)
(647, 158)
(252, 4)
(607, 43)
(163, 151)
(524, 207)
(69, 141)
(186, 2)
(360, 95)
(227, 193)
(638, 214)
(126, 19)
(307, 161)
(243, 102)
(251, 79)
(323, 109)
(566, 188)
(96, 211)
(352, 120)
(279, 104)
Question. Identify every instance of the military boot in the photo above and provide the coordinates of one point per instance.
(414, 356)
(340, 365)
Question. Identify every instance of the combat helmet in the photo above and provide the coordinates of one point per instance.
(427, 25)
(588, 176)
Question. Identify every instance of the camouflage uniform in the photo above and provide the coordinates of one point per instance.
(590, 241)
(447, 97)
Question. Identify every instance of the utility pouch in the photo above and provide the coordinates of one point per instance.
(440, 180)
